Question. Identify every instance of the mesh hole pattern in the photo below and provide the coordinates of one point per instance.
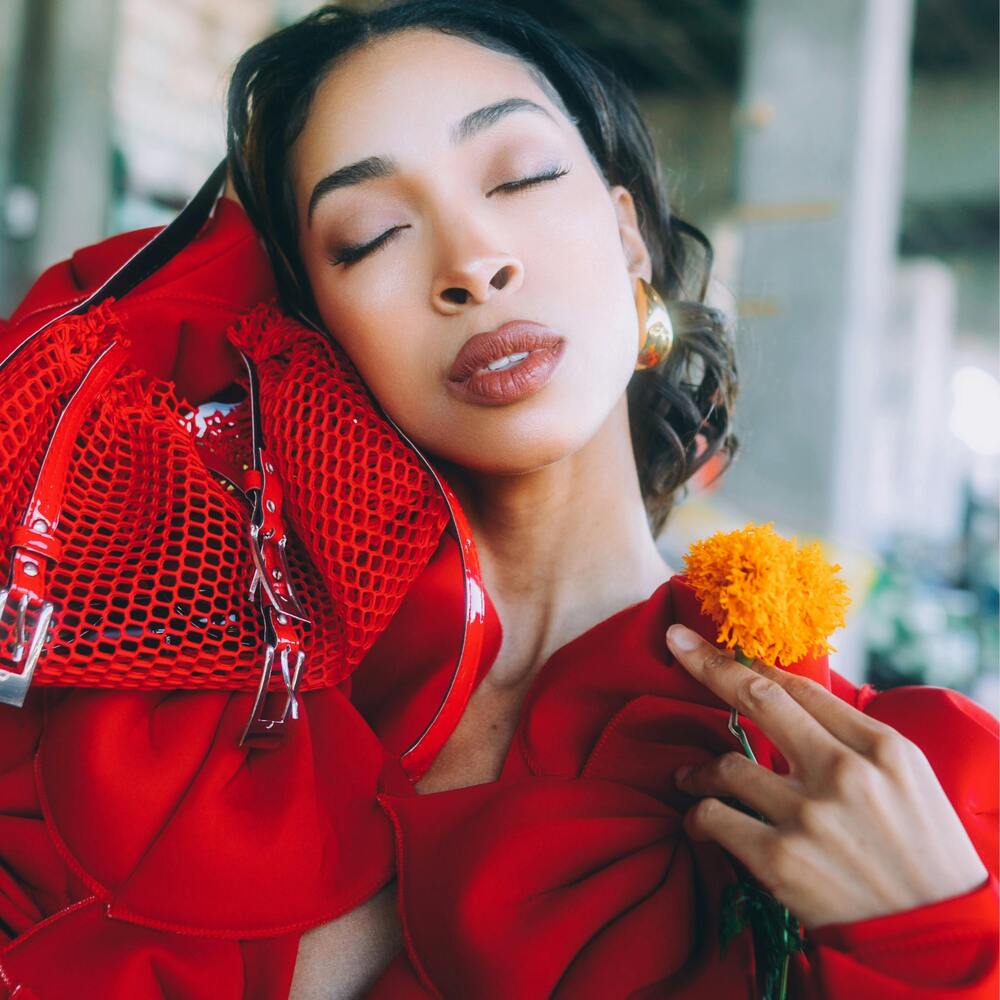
(151, 587)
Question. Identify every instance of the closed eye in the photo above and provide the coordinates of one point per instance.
(527, 182)
(350, 254)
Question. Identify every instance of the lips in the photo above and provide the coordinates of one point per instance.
(470, 378)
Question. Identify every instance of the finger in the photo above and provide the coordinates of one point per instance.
(773, 796)
(748, 839)
(800, 738)
(860, 732)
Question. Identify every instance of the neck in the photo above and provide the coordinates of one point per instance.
(562, 547)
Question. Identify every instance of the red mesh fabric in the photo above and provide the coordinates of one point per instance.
(362, 506)
(150, 589)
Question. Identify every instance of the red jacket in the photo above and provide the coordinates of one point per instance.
(143, 854)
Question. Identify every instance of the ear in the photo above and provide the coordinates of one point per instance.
(637, 257)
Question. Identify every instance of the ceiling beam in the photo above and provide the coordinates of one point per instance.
(653, 41)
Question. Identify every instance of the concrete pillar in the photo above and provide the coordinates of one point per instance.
(55, 123)
(820, 146)
(72, 166)
(820, 153)
(13, 16)
(919, 467)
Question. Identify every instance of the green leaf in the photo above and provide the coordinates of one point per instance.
(776, 933)
(733, 917)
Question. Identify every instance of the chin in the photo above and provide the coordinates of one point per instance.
(509, 454)
(511, 440)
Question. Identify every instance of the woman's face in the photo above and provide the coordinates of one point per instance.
(463, 252)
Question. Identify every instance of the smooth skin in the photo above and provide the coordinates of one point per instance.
(860, 826)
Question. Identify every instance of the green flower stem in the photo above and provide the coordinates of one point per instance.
(789, 939)
(737, 730)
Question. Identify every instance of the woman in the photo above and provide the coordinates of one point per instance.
(467, 205)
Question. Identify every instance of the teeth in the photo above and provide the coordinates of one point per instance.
(506, 362)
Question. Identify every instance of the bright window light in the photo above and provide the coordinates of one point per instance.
(975, 409)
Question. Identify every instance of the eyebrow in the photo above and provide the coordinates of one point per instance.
(372, 167)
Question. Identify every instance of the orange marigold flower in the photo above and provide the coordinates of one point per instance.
(774, 601)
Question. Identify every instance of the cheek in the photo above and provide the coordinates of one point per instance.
(389, 363)
(582, 253)
(584, 264)
(375, 328)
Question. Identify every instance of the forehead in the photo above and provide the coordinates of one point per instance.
(402, 92)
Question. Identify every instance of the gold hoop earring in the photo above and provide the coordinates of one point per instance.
(656, 331)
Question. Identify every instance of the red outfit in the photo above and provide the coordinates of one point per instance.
(145, 855)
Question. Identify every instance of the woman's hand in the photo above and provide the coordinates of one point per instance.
(861, 826)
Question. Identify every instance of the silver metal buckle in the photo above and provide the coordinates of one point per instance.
(258, 725)
(14, 686)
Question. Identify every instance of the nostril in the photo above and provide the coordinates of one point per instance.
(501, 277)
(459, 295)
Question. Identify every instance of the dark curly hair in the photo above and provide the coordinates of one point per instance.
(680, 411)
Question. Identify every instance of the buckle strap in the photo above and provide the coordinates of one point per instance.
(281, 644)
(34, 543)
(272, 583)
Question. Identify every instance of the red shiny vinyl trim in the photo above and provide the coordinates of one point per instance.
(39, 542)
(419, 756)
(268, 538)
(45, 507)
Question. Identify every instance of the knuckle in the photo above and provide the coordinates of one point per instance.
(730, 767)
(813, 816)
(851, 776)
(776, 856)
(778, 864)
(714, 660)
(797, 858)
(893, 752)
(798, 686)
(704, 813)
(758, 693)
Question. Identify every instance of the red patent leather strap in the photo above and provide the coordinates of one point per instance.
(268, 536)
(35, 537)
(419, 756)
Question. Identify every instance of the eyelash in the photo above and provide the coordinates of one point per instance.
(349, 254)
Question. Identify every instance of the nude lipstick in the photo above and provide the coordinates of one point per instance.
(506, 365)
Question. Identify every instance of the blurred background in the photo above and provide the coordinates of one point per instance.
(842, 157)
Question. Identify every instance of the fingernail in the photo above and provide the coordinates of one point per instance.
(682, 772)
(683, 638)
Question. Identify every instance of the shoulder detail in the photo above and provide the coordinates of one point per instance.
(960, 740)
(912, 707)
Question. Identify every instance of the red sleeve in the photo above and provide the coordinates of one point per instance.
(545, 887)
(946, 946)
(951, 947)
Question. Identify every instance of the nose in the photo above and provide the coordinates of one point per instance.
(475, 278)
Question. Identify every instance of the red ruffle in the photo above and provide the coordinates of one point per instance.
(571, 876)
